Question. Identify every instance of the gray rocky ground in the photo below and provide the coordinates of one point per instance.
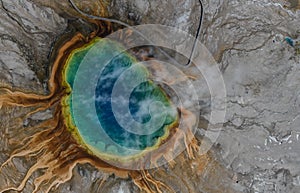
(260, 139)
(259, 144)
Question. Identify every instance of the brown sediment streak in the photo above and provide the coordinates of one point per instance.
(147, 183)
(158, 185)
(141, 182)
(189, 139)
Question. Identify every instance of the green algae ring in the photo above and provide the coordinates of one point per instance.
(115, 110)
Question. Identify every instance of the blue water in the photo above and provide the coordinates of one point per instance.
(144, 92)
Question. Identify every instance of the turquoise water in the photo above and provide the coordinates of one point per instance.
(110, 136)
